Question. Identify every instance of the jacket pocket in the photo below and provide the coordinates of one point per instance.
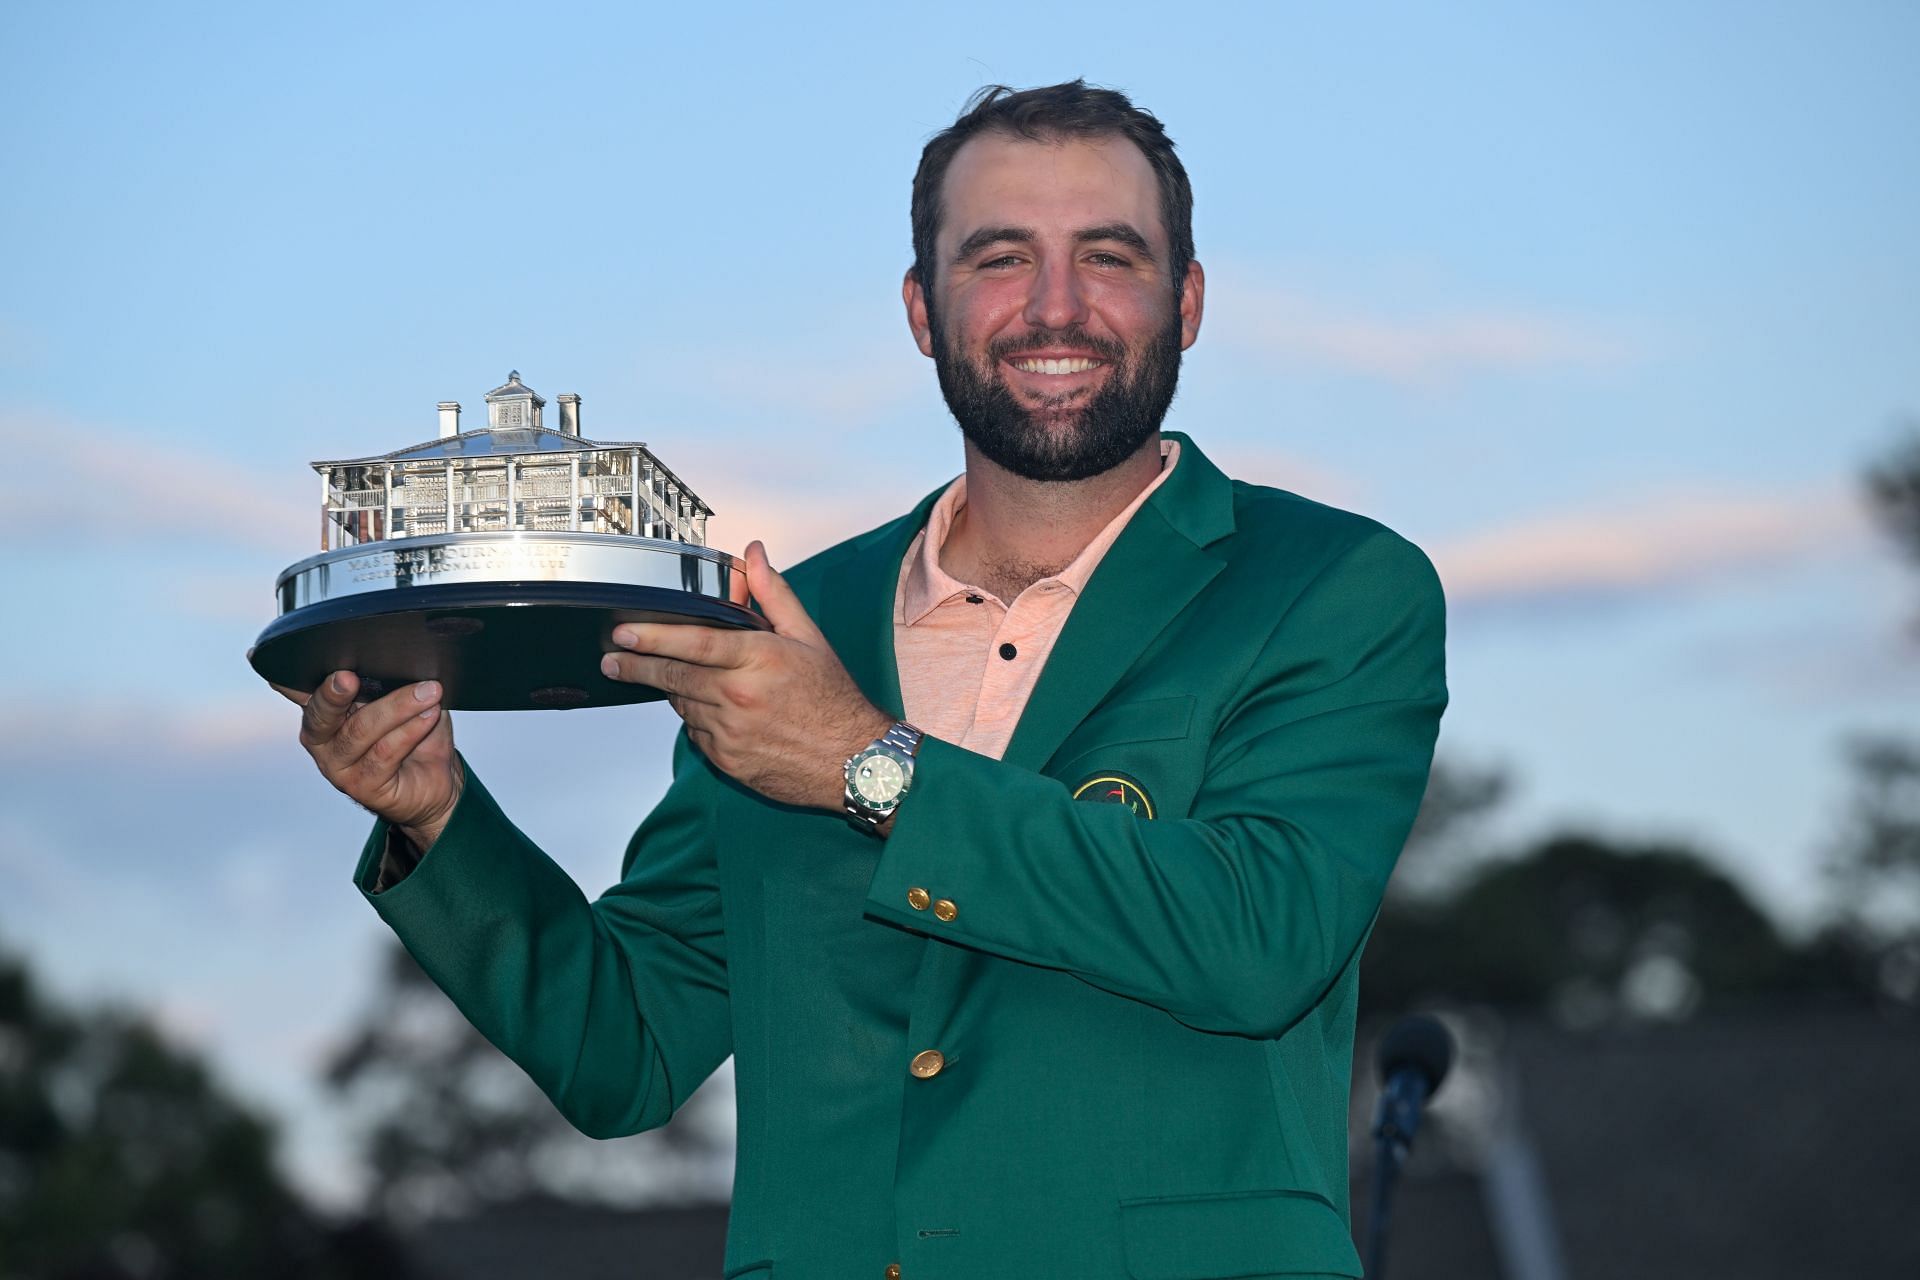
(1220, 1237)
(1121, 723)
(1146, 721)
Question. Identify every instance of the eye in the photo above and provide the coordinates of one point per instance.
(1004, 260)
(1105, 259)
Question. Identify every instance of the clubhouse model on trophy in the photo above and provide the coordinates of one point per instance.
(498, 562)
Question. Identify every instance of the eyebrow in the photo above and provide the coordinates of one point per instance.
(991, 235)
(1119, 232)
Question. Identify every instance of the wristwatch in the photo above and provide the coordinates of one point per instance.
(879, 775)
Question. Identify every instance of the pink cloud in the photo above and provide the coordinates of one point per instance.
(138, 490)
(1651, 541)
(798, 502)
(34, 730)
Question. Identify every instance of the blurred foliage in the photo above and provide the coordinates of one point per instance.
(1873, 869)
(1447, 831)
(1594, 932)
(1588, 930)
(449, 1125)
(121, 1159)
(1893, 491)
(1877, 860)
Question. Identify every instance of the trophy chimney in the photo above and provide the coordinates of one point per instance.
(449, 418)
(569, 413)
(514, 404)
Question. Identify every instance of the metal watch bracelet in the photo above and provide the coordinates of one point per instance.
(905, 739)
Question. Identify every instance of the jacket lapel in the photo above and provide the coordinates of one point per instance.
(1154, 569)
(856, 606)
(1151, 573)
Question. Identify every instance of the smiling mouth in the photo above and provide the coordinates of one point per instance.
(1078, 364)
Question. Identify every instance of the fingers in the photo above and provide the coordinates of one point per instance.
(383, 756)
(327, 709)
(367, 725)
(681, 681)
(702, 646)
(777, 600)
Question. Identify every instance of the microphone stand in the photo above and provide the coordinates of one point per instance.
(1395, 1123)
(1413, 1059)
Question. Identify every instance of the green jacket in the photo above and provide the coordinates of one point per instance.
(1146, 1022)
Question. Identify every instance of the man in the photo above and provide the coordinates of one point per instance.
(1025, 865)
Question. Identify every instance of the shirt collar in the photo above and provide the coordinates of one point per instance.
(925, 586)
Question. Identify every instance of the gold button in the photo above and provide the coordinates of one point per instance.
(893, 1271)
(945, 909)
(918, 898)
(928, 1063)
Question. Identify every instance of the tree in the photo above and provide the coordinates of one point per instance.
(1893, 491)
(1873, 870)
(1590, 931)
(1446, 835)
(450, 1125)
(120, 1157)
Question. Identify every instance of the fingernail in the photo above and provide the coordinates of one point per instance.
(624, 637)
(336, 684)
(610, 667)
(426, 691)
(429, 713)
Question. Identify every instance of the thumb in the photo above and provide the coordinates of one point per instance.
(783, 608)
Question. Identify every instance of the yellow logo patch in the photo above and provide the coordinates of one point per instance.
(1116, 788)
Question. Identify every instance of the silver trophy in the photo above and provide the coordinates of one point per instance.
(498, 562)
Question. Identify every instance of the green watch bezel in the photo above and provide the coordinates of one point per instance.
(899, 743)
(891, 752)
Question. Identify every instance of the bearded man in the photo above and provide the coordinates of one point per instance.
(1024, 867)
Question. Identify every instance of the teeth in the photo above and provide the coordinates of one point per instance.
(1079, 364)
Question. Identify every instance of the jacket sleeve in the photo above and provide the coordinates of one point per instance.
(618, 1007)
(1238, 916)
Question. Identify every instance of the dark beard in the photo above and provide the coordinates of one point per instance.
(1104, 431)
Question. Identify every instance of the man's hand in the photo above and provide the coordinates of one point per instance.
(394, 756)
(773, 710)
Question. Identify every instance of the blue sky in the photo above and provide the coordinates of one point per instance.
(1604, 306)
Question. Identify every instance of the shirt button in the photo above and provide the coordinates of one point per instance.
(928, 1063)
(893, 1271)
(917, 898)
(1008, 652)
(945, 909)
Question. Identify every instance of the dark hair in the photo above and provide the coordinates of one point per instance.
(1071, 110)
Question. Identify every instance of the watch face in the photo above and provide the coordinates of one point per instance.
(879, 779)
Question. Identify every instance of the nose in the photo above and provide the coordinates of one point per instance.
(1056, 300)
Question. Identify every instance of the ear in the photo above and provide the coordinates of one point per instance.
(1193, 301)
(916, 299)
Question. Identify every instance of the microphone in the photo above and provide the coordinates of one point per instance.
(1412, 1061)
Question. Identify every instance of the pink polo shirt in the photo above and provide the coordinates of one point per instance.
(968, 661)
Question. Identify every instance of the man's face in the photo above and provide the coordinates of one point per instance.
(1054, 327)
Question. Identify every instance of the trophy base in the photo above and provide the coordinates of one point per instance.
(498, 646)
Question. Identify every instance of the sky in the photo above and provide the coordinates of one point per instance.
(1605, 306)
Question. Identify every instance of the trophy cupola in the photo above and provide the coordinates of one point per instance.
(514, 404)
